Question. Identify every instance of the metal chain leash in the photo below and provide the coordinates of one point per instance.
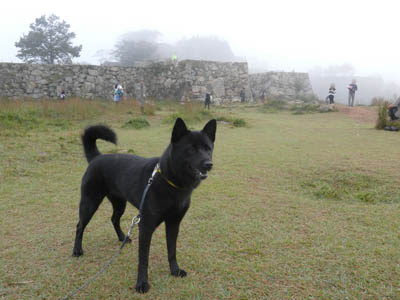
(135, 220)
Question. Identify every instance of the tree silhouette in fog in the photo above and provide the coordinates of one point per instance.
(48, 42)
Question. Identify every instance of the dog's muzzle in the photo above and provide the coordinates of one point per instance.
(206, 166)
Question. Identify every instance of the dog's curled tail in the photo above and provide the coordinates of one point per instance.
(91, 134)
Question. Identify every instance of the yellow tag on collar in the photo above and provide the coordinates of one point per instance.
(167, 180)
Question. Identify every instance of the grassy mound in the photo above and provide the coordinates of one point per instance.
(136, 123)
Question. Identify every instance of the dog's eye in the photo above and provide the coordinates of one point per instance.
(207, 148)
(191, 150)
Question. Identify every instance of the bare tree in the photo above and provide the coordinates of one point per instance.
(205, 48)
(129, 52)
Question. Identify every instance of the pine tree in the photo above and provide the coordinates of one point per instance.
(48, 42)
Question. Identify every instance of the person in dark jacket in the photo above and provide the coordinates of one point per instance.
(207, 100)
(242, 96)
(141, 93)
(331, 93)
(62, 95)
(394, 110)
(352, 92)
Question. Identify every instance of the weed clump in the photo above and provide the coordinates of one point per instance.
(325, 190)
(274, 105)
(297, 107)
(235, 122)
(238, 122)
(351, 187)
(381, 121)
(136, 123)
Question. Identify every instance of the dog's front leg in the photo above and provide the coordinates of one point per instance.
(145, 234)
(172, 230)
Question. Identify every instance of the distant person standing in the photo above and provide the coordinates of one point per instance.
(207, 101)
(62, 95)
(242, 96)
(352, 92)
(331, 93)
(394, 110)
(174, 59)
(141, 95)
(118, 93)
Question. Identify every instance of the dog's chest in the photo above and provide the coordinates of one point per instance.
(163, 204)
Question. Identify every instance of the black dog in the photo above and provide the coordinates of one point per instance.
(123, 177)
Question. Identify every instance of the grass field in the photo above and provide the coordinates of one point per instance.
(296, 207)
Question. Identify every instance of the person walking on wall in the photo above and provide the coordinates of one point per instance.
(141, 95)
(207, 100)
(174, 59)
(331, 93)
(242, 96)
(352, 92)
(118, 93)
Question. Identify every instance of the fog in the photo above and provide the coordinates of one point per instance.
(285, 35)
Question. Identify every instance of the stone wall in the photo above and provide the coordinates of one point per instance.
(187, 79)
(285, 85)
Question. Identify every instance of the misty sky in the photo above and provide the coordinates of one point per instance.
(283, 34)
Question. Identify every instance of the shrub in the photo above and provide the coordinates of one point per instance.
(305, 108)
(381, 122)
(326, 191)
(393, 123)
(367, 196)
(346, 186)
(224, 119)
(273, 105)
(239, 122)
(136, 123)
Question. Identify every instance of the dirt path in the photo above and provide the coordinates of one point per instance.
(359, 113)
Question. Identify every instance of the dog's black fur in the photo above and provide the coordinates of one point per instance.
(123, 177)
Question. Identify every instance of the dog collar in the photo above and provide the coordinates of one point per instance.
(157, 169)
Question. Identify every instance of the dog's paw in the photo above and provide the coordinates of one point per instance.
(77, 252)
(142, 287)
(179, 273)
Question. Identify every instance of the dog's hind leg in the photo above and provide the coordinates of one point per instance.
(119, 206)
(87, 208)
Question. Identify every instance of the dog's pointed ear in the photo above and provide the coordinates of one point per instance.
(179, 130)
(210, 128)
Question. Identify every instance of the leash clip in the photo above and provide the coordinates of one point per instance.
(135, 221)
